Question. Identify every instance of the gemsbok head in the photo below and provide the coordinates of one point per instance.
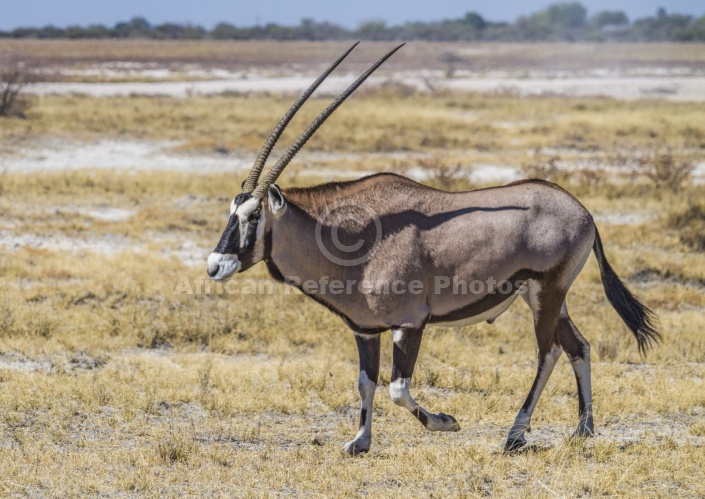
(386, 253)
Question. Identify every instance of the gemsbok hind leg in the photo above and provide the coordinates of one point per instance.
(546, 306)
(368, 349)
(406, 350)
(578, 350)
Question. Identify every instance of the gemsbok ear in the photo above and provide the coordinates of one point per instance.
(277, 203)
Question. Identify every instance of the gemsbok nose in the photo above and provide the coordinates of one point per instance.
(214, 264)
(213, 270)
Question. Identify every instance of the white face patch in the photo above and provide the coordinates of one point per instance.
(247, 208)
(243, 213)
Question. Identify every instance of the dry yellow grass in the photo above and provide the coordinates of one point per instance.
(480, 128)
(114, 381)
(109, 366)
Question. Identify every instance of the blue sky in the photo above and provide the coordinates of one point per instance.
(16, 13)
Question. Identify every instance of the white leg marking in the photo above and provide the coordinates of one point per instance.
(397, 335)
(399, 391)
(362, 441)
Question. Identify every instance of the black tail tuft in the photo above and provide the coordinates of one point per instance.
(637, 316)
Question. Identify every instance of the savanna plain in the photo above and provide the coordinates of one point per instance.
(124, 372)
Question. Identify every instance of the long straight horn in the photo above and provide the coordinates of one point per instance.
(251, 181)
(272, 175)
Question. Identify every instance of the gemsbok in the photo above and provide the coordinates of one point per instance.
(386, 253)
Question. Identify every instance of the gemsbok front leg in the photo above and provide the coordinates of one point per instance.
(368, 349)
(406, 350)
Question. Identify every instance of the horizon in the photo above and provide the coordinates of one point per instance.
(41, 13)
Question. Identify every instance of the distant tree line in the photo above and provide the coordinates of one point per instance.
(558, 22)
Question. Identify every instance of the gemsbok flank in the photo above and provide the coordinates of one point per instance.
(385, 252)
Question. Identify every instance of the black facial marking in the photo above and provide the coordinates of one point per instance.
(230, 241)
(241, 198)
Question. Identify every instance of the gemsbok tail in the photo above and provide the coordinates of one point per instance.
(637, 316)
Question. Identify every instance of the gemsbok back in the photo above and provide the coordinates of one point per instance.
(386, 253)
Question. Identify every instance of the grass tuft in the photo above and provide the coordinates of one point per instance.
(690, 224)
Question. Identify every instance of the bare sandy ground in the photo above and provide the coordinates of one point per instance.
(669, 87)
(51, 155)
(113, 154)
(140, 155)
(188, 252)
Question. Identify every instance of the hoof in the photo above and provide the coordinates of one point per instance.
(356, 447)
(584, 432)
(449, 422)
(514, 444)
(441, 422)
(586, 427)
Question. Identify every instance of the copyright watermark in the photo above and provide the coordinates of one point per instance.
(348, 232)
(325, 285)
